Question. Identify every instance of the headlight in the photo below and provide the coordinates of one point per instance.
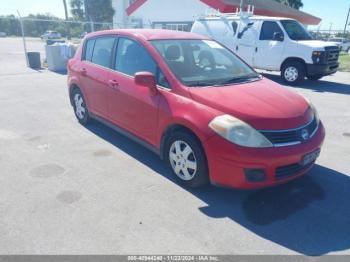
(238, 132)
(318, 56)
(314, 110)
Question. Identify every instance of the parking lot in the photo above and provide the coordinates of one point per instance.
(67, 189)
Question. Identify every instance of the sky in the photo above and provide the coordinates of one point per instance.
(333, 11)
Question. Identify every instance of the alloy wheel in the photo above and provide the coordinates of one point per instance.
(79, 106)
(183, 160)
(291, 74)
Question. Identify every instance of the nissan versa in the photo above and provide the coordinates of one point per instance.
(195, 103)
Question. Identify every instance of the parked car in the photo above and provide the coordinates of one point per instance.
(3, 34)
(191, 100)
(51, 35)
(342, 43)
(275, 44)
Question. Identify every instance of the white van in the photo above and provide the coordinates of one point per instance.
(274, 44)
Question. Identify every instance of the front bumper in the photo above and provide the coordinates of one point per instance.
(227, 162)
(322, 69)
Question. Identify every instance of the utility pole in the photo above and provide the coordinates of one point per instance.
(330, 29)
(318, 30)
(66, 15)
(346, 23)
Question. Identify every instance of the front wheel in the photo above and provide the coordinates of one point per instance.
(293, 72)
(186, 158)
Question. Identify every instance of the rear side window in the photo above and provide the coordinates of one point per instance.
(89, 48)
(102, 53)
(268, 29)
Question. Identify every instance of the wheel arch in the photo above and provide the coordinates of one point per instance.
(72, 87)
(175, 127)
(292, 59)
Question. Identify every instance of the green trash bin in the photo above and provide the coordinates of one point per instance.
(34, 60)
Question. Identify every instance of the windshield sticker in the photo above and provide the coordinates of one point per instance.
(213, 44)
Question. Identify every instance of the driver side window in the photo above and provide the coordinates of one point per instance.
(269, 29)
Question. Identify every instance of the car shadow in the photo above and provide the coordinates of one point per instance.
(317, 86)
(60, 72)
(310, 215)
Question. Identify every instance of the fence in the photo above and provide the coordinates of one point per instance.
(324, 34)
(36, 26)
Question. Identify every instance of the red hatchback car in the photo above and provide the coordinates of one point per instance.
(196, 104)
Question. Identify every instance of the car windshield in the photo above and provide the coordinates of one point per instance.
(203, 63)
(295, 30)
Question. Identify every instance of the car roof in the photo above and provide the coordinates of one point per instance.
(149, 34)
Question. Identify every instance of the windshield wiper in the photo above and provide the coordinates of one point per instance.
(194, 84)
(239, 79)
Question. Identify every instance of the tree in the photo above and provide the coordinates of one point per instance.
(100, 11)
(10, 25)
(297, 4)
(77, 9)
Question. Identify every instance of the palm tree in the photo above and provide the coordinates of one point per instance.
(66, 15)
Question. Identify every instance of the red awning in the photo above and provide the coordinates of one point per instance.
(134, 6)
(262, 7)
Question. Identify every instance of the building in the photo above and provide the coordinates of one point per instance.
(180, 14)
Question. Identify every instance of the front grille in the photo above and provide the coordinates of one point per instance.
(332, 55)
(290, 170)
(292, 136)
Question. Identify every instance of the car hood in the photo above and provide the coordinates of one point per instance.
(263, 104)
(316, 43)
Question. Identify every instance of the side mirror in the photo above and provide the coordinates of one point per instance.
(277, 36)
(147, 79)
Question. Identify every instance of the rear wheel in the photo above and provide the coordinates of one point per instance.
(186, 158)
(80, 109)
(293, 72)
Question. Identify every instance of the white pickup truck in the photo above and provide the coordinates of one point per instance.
(342, 43)
(274, 44)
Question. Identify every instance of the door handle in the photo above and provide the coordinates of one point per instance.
(256, 49)
(236, 47)
(83, 72)
(113, 84)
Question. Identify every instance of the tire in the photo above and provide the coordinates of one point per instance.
(293, 72)
(80, 109)
(186, 158)
(315, 77)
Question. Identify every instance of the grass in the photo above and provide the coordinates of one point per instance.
(344, 60)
